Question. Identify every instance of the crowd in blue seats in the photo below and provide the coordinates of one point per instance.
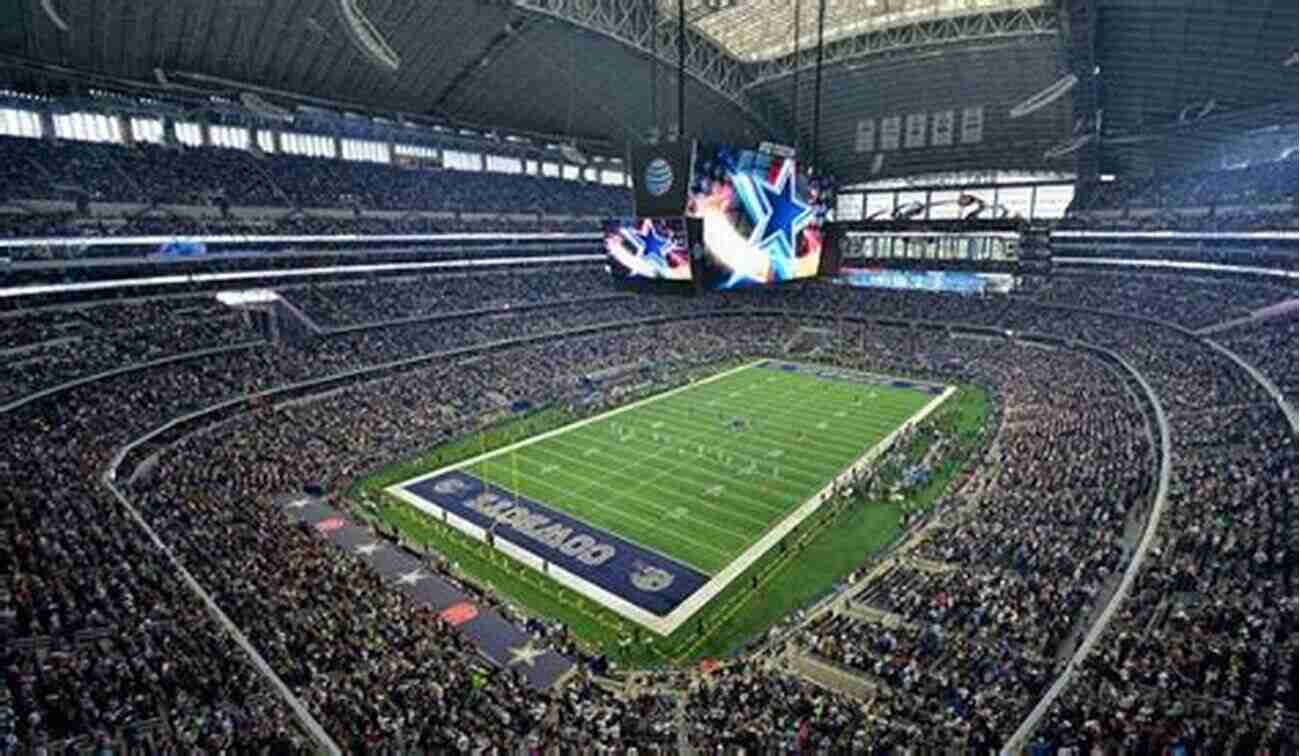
(1272, 345)
(1257, 197)
(149, 173)
(106, 646)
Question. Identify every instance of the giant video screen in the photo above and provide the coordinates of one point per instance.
(648, 249)
(762, 220)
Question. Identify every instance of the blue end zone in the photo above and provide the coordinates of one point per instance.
(851, 376)
(642, 577)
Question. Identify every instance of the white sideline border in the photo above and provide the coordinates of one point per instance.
(667, 624)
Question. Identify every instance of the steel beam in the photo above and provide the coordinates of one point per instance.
(632, 23)
(975, 27)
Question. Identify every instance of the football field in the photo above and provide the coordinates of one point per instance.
(687, 481)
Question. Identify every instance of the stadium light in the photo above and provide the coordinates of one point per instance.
(573, 154)
(366, 37)
(1045, 97)
(55, 18)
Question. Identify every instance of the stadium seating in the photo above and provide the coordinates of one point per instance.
(145, 174)
(1260, 196)
(105, 647)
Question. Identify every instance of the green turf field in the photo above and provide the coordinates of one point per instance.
(699, 475)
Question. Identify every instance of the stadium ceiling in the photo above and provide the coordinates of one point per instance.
(578, 68)
(1176, 82)
(585, 68)
(760, 30)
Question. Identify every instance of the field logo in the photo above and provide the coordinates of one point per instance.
(650, 579)
(658, 177)
(450, 486)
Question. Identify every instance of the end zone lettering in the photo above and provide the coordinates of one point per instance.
(624, 569)
(540, 528)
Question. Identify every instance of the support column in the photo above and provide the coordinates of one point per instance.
(47, 125)
(681, 69)
(817, 85)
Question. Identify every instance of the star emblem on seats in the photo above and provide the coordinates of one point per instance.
(367, 549)
(296, 504)
(525, 655)
(412, 577)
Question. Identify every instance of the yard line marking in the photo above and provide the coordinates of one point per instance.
(694, 472)
(648, 523)
(670, 492)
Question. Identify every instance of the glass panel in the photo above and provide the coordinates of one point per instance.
(943, 205)
(879, 205)
(848, 207)
(906, 198)
(1015, 200)
(1051, 201)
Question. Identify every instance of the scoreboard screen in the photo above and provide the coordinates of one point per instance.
(929, 245)
(762, 219)
(648, 248)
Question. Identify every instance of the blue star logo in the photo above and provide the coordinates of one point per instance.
(786, 215)
(648, 242)
(776, 211)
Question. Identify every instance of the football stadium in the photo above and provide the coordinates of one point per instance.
(649, 377)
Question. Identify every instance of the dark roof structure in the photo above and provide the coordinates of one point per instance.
(604, 71)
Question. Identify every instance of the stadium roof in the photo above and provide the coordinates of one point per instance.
(583, 68)
(1178, 81)
(754, 30)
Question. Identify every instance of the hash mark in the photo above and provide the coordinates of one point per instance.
(714, 490)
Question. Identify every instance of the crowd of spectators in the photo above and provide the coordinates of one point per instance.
(1203, 653)
(1272, 345)
(1036, 545)
(46, 347)
(963, 628)
(147, 173)
(73, 225)
(1185, 300)
(1259, 196)
(370, 301)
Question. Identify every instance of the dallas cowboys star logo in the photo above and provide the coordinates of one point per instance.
(782, 216)
(412, 577)
(296, 504)
(648, 242)
(367, 549)
(525, 655)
